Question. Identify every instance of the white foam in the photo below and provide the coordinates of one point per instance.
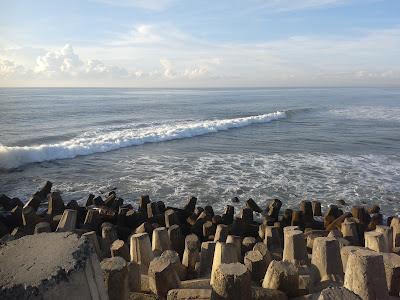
(11, 157)
(377, 113)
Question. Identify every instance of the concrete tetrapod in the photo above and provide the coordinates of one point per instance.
(231, 281)
(206, 258)
(283, 276)
(162, 276)
(141, 252)
(68, 220)
(256, 264)
(224, 254)
(295, 249)
(375, 241)
(327, 260)
(160, 241)
(365, 275)
(75, 272)
(387, 232)
(221, 233)
(115, 273)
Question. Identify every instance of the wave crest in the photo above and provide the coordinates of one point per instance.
(12, 157)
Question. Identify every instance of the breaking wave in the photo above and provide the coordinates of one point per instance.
(90, 143)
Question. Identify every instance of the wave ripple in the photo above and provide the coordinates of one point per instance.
(86, 144)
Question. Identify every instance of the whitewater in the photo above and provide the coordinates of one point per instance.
(90, 143)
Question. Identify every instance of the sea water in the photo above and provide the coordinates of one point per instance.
(288, 143)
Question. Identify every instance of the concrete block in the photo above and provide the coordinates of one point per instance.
(68, 221)
(295, 249)
(162, 276)
(391, 262)
(350, 232)
(273, 238)
(160, 241)
(237, 241)
(171, 218)
(115, 273)
(94, 241)
(119, 248)
(56, 204)
(134, 278)
(283, 276)
(327, 260)
(345, 252)
(365, 275)
(231, 281)
(316, 208)
(387, 232)
(375, 241)
(42, 227)
(206, 258)
(189, 294)
(256, 264)
(68, 269)
(141, 252)
(224, 254)
(108, 236)
(221, 233)
(173, 257)
(176, 238)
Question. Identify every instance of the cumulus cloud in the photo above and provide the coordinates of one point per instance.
(63, 61)
(9, 69)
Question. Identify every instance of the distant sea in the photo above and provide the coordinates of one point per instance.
(293, 144)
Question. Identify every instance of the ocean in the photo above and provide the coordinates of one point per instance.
(320, 144)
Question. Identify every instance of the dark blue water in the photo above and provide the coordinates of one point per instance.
(325, 144)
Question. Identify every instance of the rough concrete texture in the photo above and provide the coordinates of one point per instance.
(345, 252)
(201, 283)
(189, 294)
(327, 260)
(162, 277)
(388, 235)
(141, 252)
(231, 281)
(206, 258)
(256, 264)
(258, 293)
(283, 276)
(115, 274)
(224, 254)
(50, 266)
(173, 257)
(337, 293)
(375, 241)
(295, 249)
(365, 275)
(392, 270)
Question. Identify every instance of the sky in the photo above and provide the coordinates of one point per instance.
(185, 43)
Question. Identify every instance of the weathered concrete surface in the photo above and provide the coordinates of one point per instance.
(189, 294)
(115, 274)
(258, 293)
(365, 275)
(50, 266)
(231, 281)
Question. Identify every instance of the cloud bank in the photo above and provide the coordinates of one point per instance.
(162, 55)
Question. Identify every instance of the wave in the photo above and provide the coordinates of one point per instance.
(86, 144)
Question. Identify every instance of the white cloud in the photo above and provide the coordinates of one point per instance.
(9, 69)
(370, 58)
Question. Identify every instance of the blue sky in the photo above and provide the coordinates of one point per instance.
(180, 43)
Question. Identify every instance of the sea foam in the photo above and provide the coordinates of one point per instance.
(86, 144)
